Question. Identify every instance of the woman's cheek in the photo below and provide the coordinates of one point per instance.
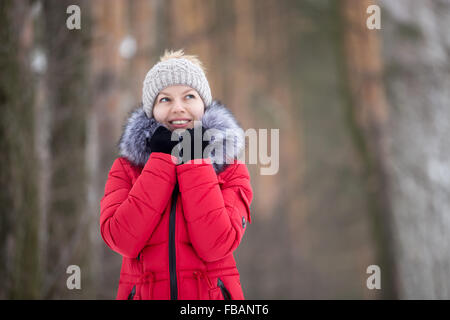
(158, 115)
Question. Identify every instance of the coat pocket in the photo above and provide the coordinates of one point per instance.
(225, 293)
(246, 202)
(220, 292)
(132, 293)
(230, 287)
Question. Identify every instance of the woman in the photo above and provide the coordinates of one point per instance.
(176, 217)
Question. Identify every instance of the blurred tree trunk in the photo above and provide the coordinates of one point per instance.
(363, 87)
(416, 49)
(259, 98)
(68, 218)
(46, 222)
(19, 221)
(330, 241)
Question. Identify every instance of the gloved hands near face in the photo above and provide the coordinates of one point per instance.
(186, 150)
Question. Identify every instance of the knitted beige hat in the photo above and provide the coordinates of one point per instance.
(175, 70)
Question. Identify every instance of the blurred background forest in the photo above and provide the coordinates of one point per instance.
(364, 120)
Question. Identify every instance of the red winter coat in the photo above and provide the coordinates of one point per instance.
(176, 226)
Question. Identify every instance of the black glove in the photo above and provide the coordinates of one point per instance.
(160, 141)
(204, 144)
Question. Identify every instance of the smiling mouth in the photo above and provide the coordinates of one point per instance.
(178, 122)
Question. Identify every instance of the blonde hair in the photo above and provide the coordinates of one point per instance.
(180, 55)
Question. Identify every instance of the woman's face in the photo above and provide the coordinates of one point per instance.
(179, 103)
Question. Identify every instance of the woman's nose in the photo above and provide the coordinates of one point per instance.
(178, 107)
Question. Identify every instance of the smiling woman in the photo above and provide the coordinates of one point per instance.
(177, 223)
(178, 107)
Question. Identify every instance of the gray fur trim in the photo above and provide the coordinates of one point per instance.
(227, 131)
(133, 142)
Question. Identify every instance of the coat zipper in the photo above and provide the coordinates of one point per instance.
(225, 293)
(172, 256)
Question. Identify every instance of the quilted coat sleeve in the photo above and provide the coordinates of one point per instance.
(216, 216)
(129, 213)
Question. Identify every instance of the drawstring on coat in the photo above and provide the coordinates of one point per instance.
(198, 275)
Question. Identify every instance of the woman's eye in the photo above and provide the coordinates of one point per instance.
(161, 100)
(190, 95)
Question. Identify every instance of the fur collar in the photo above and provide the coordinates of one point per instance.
(138, 128)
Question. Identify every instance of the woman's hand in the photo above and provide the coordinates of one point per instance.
(161, 141)
(185, 156)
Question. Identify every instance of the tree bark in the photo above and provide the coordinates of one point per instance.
(368, 114)
(416, 50)
(19, 223)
